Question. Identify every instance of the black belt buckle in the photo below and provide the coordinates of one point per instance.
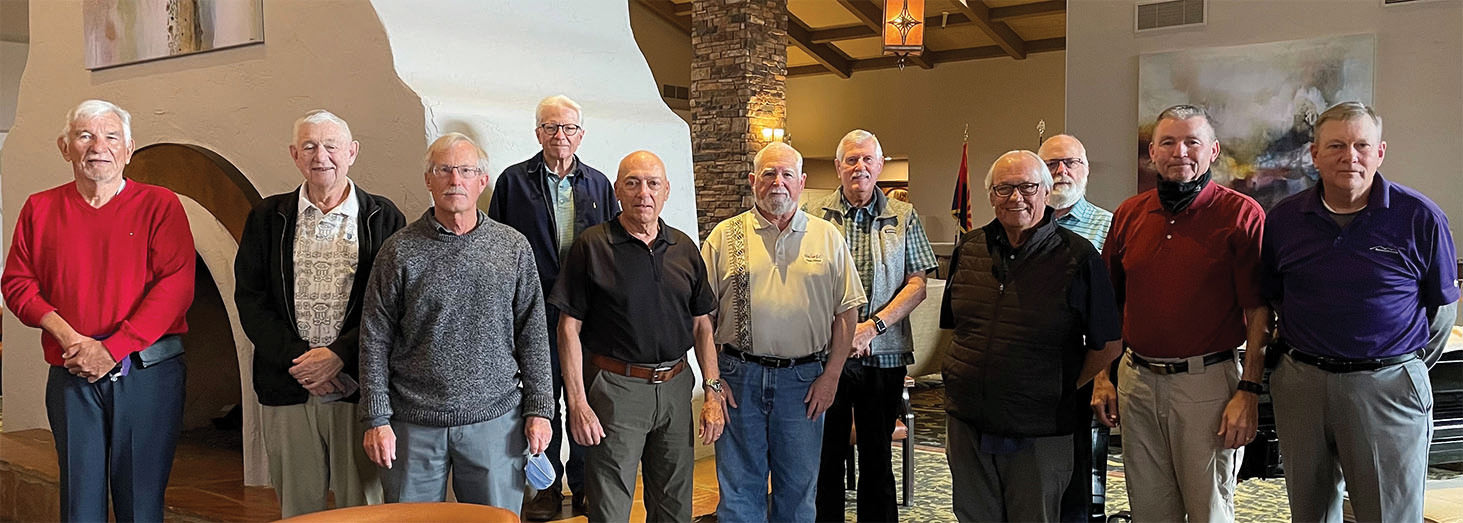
(659, 375)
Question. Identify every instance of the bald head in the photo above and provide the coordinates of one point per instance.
(1066, 158)
(642, 188)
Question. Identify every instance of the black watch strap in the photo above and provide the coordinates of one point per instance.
(1250, 386)
(879, 325)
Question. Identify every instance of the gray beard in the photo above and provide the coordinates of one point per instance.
(777, 205)
(1064, 198)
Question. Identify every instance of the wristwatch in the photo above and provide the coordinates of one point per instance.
(1250, 386)
(714, 385)
(879, 325)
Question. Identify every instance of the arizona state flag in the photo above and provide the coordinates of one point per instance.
(960, 205)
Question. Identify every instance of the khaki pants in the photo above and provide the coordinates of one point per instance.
(314, 448)
(1175, 463)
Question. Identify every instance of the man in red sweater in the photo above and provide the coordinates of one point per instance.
(104, 266)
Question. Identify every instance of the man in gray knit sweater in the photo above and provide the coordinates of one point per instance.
(454, 356)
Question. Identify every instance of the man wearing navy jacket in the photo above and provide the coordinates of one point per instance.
(551, 198)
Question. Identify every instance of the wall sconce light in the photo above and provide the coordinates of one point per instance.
(904, 32)
(769, 134)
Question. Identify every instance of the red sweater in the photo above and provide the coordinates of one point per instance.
(124, 271)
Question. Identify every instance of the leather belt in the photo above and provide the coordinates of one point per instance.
(1178, 367)
(650, 373)
(1339, 365)
(769, 361)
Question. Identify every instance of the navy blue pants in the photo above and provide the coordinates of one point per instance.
(573, 471)
(116, 436)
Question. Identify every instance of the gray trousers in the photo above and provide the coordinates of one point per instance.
(315, 448)
(649, 425)
(1025, 485)
(486, 460)
(1175, 463)
(1363, 432)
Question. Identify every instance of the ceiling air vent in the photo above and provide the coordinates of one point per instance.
(1169, 14)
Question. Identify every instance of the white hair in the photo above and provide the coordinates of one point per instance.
(94, 108)
(446, 141)
(1041, 172)
(854, 137)
(320, 116)
(757, 160)
(557, 100)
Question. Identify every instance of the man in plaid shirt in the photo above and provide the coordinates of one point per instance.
(892, 255)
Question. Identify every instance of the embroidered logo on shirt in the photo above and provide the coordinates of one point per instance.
(1386, 249)
(813, 258)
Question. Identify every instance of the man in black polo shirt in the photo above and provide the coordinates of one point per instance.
(633, 294)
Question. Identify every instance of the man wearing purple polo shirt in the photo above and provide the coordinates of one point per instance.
(1361, 272)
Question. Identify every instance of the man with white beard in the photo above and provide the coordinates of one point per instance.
(1067, 160)
(788, 295)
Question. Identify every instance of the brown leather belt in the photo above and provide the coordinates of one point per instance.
(649, 373)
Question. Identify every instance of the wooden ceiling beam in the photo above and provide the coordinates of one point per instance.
(1002, 14)
(952, 55)
(999, 32)
(872, 16)
(825, 54)
(666, 10)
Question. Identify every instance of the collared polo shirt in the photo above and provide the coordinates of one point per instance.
(800, 278)
(1184, 280)
(560, 192)
(326, 255)
(1088, 221)
(636, 301)
(1359, 292)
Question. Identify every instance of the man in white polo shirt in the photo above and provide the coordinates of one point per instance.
(782, 279)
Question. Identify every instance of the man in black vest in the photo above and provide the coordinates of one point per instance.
(1034, 319)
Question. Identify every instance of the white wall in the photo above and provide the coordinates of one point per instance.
(1419, 80)
(921, 114)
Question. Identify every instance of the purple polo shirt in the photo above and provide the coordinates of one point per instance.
(1358, 292)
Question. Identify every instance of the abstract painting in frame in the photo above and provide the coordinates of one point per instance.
(1262, 100)
(120, 32)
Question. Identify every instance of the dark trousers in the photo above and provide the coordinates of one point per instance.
(116, 436)
(574, 469)
(867, 401)
(1088, 452)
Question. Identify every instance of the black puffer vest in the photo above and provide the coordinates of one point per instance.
(1018, 344)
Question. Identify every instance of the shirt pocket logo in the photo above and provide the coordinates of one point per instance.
(1385, 249)
(813, 257)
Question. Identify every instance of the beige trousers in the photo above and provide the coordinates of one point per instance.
(315, 448)
(1175, 464)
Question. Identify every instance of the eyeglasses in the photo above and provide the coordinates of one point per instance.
(1004, 190)
(551, 129)
(466, 171)
(1071, 163)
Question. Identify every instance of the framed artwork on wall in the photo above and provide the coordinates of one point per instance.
(119, 32)
(1262, 100)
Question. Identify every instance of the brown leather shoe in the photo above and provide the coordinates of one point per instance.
(544, 506)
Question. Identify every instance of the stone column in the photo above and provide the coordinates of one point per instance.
(738, 73)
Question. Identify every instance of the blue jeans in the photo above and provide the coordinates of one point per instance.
(769, 432)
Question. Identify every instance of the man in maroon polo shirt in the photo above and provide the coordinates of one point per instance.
(1185, 263)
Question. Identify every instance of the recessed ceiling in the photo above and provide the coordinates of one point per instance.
(842, 36)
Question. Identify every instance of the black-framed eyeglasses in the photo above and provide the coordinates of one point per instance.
(466, 171)
(570, 129)
(1004, 190)
(1071, 163)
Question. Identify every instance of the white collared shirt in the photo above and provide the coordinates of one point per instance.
(327, 252)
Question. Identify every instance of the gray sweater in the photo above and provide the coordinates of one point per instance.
(451, 326)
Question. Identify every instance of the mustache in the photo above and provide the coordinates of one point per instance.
(454, 191)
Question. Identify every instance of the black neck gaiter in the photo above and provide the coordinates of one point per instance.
(1176, 196)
